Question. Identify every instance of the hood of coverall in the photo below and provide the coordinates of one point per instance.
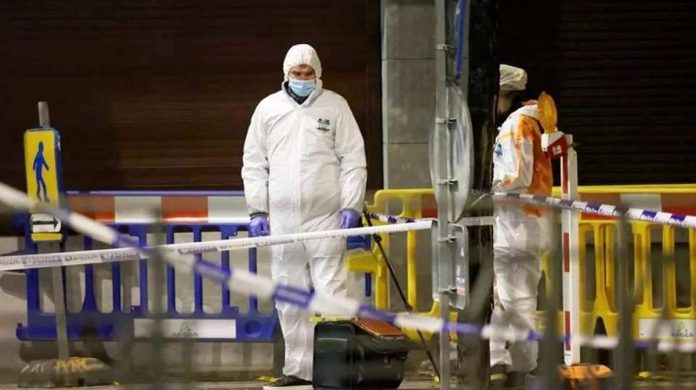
(303, 54)
(512, 79)
(299, 55)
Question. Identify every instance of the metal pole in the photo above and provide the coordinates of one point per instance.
(550, 352)
(444, 343)
(442, 258)
(44, 118)
(57, 279)
(157, 337)
(624, 351)
(571, 255)
(669, 261)
(59, 301)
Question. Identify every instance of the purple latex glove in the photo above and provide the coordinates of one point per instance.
(349, 219)
(259, 225)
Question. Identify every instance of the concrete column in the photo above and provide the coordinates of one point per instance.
(408, 112)
(408, 90)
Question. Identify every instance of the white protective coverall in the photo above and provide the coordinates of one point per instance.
(521, 234)
(303, 164)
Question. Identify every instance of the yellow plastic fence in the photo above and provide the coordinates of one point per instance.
(663, 277)
(657, 281)
(410, 203)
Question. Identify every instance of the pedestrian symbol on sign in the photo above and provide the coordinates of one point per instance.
(38, 166)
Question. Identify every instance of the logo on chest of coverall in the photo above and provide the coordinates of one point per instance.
(323, 125)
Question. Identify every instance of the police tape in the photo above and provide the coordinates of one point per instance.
(250, 284)
(242, 281)
(509, 334)
(658, 217)
(466, 221)
(392, 219)
(103, 256)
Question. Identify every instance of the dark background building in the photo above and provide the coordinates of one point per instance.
(158, 95)
(623, 74)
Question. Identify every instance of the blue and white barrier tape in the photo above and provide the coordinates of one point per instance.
(659, 217)
(391, 219)
(15, 263)
(467, 221)
(680, 220)
(247, 283)
(240, 281)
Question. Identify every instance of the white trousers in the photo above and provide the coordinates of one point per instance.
(317, 264)
(517, 278)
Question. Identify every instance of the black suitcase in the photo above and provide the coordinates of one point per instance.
(359, 354)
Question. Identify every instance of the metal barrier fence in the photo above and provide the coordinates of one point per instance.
(222, 214)
(651, 243)
(413, 203)
(249, 284)
(664, 262)
(250, 325)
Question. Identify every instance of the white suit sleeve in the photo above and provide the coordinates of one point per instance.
(516, 172)
(255, 165)
(350, 151)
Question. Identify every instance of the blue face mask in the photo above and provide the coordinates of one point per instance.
(302, 87)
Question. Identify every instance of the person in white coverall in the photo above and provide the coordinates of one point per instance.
(521, 232)
(304, 170)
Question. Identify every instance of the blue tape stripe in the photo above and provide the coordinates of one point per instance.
(123, 241)
(368, 311)
(391, 219)
(565, 339)
(293, 295)
(648, 214)
(212, 271)
(678, 217)
(566, 203)
(465, 328)
(539, 198)
(448, 327)
(461, 328)
(593, 206)
(534, 336)
(645, 344)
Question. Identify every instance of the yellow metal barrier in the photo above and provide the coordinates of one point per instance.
(407, 203)
(411, 203)
(597, 240)
(603, 305)
(373, 263)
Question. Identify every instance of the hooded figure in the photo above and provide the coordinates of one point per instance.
(521, 232)
(304, 170)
